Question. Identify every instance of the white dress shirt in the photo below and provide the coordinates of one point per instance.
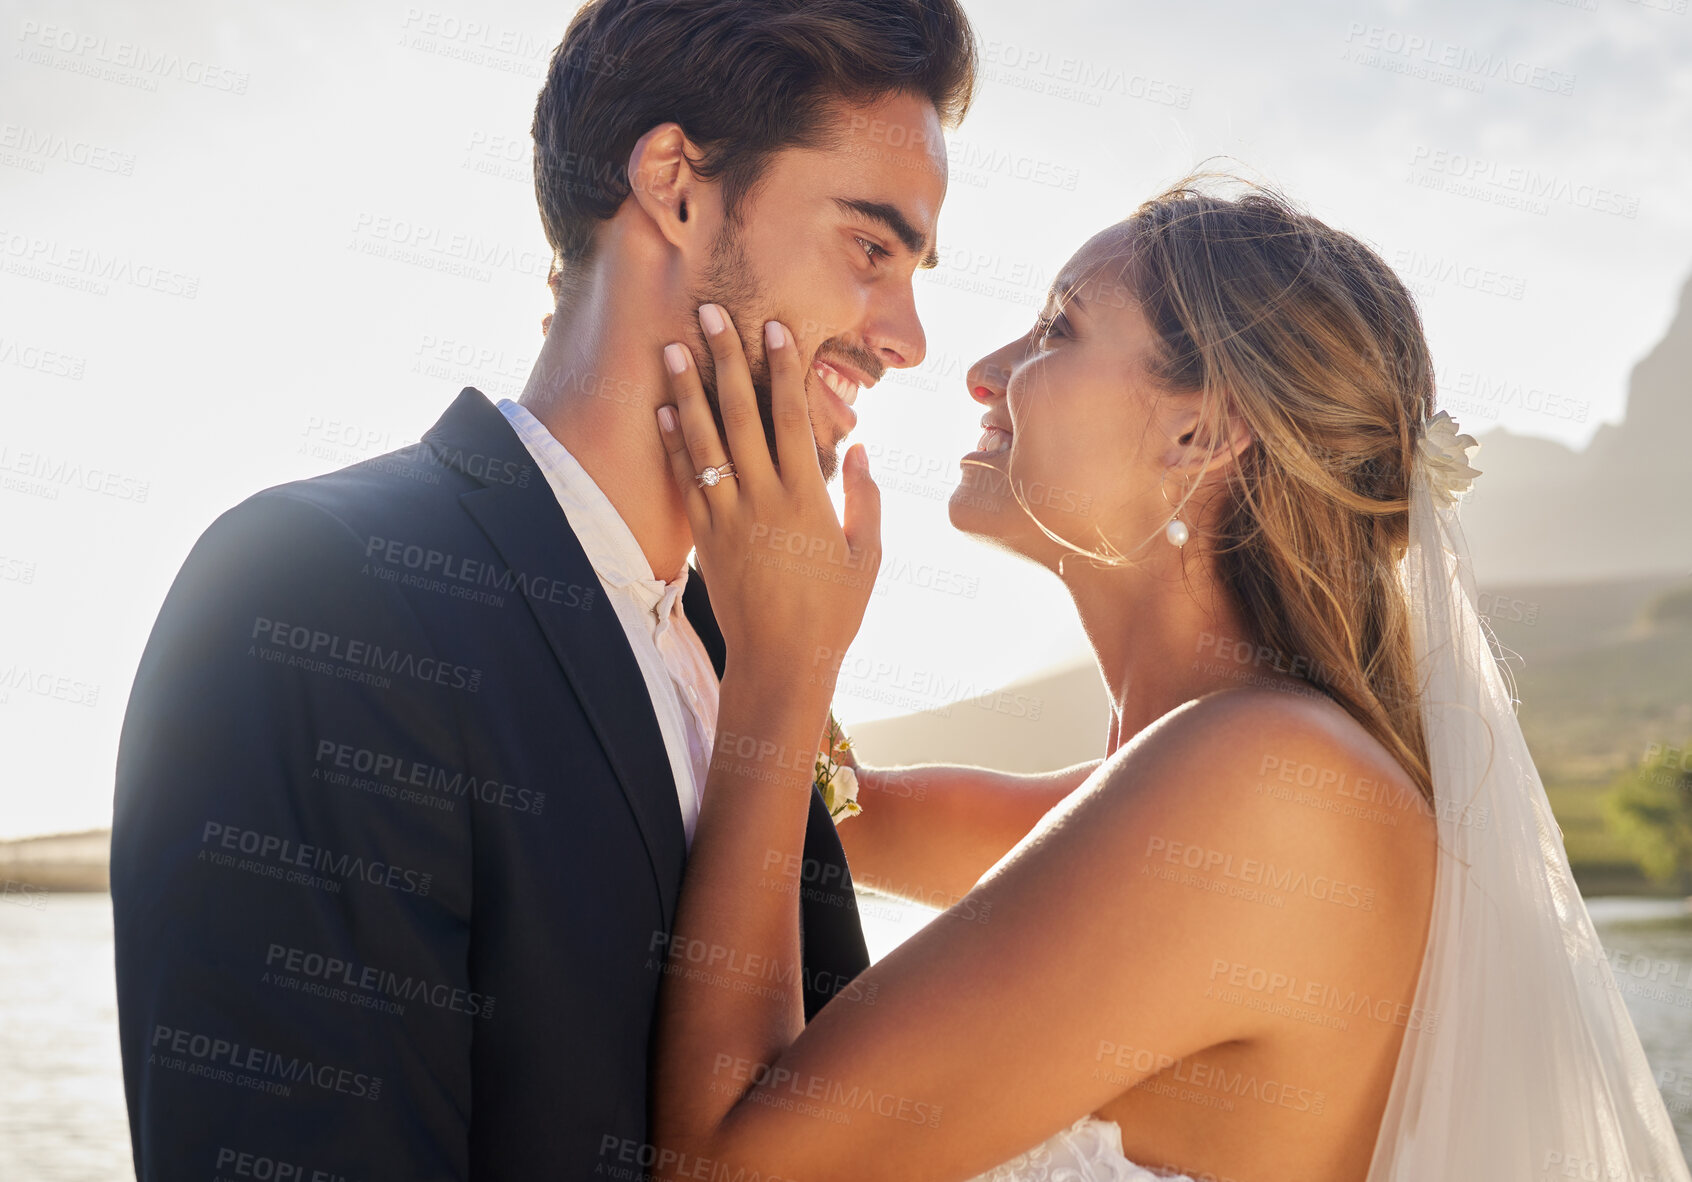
(679, 676)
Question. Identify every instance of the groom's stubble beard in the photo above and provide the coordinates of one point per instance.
(729, 281)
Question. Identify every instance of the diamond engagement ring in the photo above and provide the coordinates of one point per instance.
(712, 477)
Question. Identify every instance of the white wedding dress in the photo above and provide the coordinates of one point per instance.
(1090, 1150)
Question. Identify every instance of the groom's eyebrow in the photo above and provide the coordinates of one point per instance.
(897, 224)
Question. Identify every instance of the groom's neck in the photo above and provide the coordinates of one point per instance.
(597, 385)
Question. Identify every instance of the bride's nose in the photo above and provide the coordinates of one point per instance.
(987, 379)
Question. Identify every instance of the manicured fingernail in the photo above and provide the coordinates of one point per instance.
(774, 336)
(667, 417)
(712, 318)
(675, 358)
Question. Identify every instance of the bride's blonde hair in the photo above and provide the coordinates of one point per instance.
(1306, 335)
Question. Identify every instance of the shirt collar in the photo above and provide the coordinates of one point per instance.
(606, 538)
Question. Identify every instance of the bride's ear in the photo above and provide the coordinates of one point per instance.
(1205, 440)
(664, 186)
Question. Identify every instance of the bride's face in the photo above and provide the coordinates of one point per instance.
(1073, 421)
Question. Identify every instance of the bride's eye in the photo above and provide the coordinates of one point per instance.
(1051, 326)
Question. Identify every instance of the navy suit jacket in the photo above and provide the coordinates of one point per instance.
(396, 844)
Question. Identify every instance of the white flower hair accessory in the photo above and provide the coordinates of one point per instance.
(1445, 457)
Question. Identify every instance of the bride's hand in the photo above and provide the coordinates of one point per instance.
(789, 582)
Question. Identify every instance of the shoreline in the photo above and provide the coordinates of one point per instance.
(74, 863)
(78, 863)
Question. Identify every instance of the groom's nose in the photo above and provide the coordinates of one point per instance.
(895, 331)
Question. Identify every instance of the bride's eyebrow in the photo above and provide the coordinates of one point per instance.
(1070, 295)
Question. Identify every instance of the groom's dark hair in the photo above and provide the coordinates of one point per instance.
(743, 78)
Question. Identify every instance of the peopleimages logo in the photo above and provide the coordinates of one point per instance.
(337, 760)
(56, 472)
(146, 64)
(51, 145)
(434, 570)
(220, 1059)
(1460, 60)
(285, 852)
(319, 648)
(382, 983)
(1531, 184)
(88, 267)
(269, 1169)
(384, 235)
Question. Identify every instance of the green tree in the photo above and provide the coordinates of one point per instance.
(1650, 809)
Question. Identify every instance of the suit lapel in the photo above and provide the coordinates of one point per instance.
(515, 508)
(517, 511)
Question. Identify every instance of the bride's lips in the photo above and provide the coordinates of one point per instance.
(995, 442)
(840, 386)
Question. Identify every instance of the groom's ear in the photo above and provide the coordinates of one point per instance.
(663, 183)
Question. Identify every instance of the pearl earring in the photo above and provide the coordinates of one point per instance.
(1176, 531)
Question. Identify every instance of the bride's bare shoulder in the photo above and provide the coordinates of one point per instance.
(1288, 769)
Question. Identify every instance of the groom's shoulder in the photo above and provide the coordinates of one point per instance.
(416, 488)
(319, 531)
(412, 481)
(407, 491)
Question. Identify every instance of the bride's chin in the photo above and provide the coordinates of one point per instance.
(985, 516)
(965, 517)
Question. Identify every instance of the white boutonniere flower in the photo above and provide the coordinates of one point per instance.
(838, 782)
(1445, 457)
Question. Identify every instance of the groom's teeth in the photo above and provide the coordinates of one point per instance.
(845, 390)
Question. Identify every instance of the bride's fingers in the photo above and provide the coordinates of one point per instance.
(796, 443)
(704, 447)
(681, 467)
(737, 400)
(861, 520)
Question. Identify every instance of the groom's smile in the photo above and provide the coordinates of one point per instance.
(837, 387)
(838, 383)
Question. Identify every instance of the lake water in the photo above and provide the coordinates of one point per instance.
(62, 1114)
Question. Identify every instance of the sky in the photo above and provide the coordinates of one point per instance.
(227, 260)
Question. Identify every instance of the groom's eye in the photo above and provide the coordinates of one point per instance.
(873, 251)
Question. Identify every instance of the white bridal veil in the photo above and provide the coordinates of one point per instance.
(1526, 1065)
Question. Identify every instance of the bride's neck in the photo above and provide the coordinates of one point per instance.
(1160, 639)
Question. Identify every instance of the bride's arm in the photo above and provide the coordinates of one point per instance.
(971, 1042)
(1103, 962)
(929, 833)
